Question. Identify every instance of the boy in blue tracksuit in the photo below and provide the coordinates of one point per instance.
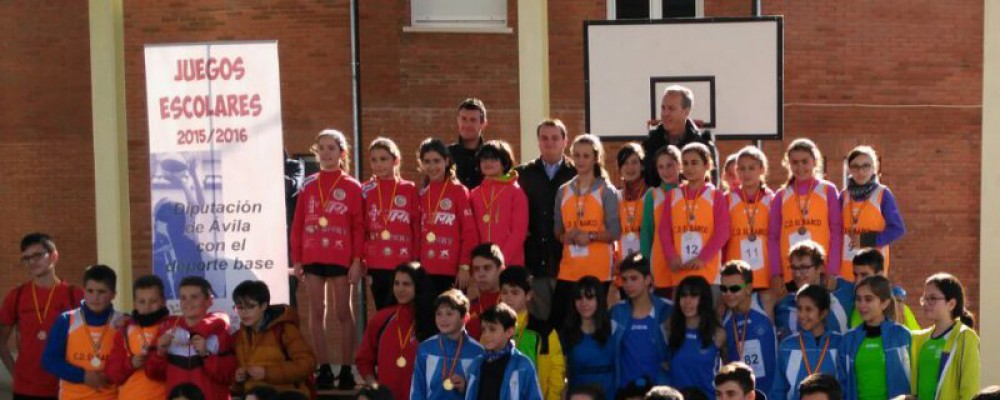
(443, 361)
(808, 262)
(502, 372)
(750, 336)
(811, 351)
(875, 357)
(637, 326)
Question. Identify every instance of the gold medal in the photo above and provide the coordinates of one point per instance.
(385, 234)
(431, 237)
(95, 362)
(802, 230)
(41, 335)
(401, 362)
(323, 222)
(486, 218)
(448, 385)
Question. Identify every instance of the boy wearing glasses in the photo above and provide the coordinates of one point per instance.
(750, 336)
(34, 306)
(269, 346)
(808, 260)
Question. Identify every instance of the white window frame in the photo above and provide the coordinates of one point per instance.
(484, 22)
(656, 9)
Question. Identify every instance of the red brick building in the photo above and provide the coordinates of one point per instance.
(905, 77)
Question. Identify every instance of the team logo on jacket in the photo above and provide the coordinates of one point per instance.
(445, 204)
(443, 218)
(339, 194)
(337, 207)
(400, 201)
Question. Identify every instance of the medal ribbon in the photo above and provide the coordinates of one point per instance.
(690, 204)
(381, 208)
(404, 341)
(804, 208)
(43, 313)
(805, 357)
(741, 339)
(447, 373)
(437, 206)
(750, 209)
(90, 335)
(494, 194)
(322, 199)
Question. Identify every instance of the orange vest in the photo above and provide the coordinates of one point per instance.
(630, 215)
(860, 218)
(816, 221)
(701, 226)
(80, 341)
(740, 247)
(585, 213)
(139, 386)
(658, 263)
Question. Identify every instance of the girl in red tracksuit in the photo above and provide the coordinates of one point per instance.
(448, 229)
(389, 346)
(499, 204)
(327, 243)
(391, 216)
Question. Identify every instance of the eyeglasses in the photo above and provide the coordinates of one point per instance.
(732, 288)
(33, 258)
(245, 306)
(801, 267)
(925, 300)
(859, 167)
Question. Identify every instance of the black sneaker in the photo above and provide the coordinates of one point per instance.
(345, 379)
(324, 377)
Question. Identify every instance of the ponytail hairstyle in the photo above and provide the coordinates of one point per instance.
(389, 146)
(754, 153)
(341, 140)
(804, 145)
(882, 288)
(704, 154)
(436, 145)
(595, 143)
(952, 289)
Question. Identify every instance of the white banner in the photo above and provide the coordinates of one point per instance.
(216, 167)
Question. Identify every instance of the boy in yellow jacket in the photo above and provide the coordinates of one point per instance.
(532, 337)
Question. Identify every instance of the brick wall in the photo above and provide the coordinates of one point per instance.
(46, 156)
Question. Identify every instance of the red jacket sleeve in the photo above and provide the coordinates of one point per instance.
(297, 226)
(416, 219)
(221, 367)
(119, 365)
(469, 231)
(367, 355)
(518, 224)
(356, 211)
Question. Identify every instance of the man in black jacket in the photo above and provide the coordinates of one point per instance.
(541, 179)
(676, 128)
(471, 123)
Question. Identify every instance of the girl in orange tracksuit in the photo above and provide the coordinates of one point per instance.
(668, 166)
(448, 229)
(805, 209)
(871, 217)
(327, 241)
(749, 205)
(697, 226)
(499, 204)
(586, 222)
(392, 218)
(630, 161)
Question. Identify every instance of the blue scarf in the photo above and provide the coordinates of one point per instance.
(493, 355)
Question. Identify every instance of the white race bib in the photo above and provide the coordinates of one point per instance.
(630, 243)
(849, 250)
(690, 246)
(579, 251)
(797, 237)
(753, 356)
(752, 252)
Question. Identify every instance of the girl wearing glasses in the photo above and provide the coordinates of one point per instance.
(945, 357)
(807, 261)
(871, 218)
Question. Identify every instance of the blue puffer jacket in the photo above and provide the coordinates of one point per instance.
(520, 381)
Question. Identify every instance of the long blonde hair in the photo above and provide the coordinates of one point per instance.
(595, 143)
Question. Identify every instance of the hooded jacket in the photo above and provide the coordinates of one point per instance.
(259, 346)
(520, 381)
(214, 373)
(390, 335)
(896, 341)
(959, 376)
(136, 338)
(501, 210)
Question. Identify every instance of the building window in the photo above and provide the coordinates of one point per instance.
(458, 15)
(655, 9)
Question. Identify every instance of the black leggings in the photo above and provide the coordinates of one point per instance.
(381, 286)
